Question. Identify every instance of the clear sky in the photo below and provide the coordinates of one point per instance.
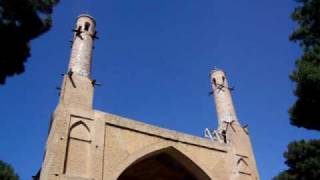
(153, 59)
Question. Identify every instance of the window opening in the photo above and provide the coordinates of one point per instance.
(214, 82)
(86, 26)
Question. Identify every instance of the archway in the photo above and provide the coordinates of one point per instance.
(165, 164)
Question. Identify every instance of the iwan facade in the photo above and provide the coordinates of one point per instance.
(86, 144)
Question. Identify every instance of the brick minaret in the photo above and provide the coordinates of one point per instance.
(230, 128)
(224, 106)
(77, 87)
(81, 54)
(74, 110)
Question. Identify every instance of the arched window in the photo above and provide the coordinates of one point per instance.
(78, 150)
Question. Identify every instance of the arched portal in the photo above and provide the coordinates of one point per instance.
(165, 164)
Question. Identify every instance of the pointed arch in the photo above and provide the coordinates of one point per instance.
(78, 123)
(78, 150)
(80, 130)
(167, 153)
(243, 166)
(242, 161)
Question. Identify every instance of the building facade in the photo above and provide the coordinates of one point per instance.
(86, 144)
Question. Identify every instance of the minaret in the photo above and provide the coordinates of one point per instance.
(224, 106)
(228, 122)
(69, 145)
(81, 54)
(77, 88)
(236, 136)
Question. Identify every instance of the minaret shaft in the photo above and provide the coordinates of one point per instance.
(224, 106)
(81, 53)
(77, 88)
(234, 134)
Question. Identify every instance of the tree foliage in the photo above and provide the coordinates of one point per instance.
(303, 160)
(303, 157)
(7, 172)
(306, 110)
(20, 22)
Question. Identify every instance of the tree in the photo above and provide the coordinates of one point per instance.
(305, 112)
(303, 160)
(303, 157)
(20, 22)
(7, 172)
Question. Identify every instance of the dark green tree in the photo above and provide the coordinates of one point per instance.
(7, 172)
(306, 110)
(303, 160)
(20, 22)
(303, 157)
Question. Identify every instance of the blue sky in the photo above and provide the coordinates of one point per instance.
(153, 59)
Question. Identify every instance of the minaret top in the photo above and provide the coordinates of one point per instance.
(87, 16)
(216, 69)
(86, 24)
(82, 45)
